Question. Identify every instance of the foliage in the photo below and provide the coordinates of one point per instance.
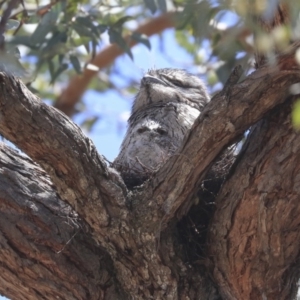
(58, 38)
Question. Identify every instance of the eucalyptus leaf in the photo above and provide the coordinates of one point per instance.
(76, 63)
(102, 28)
(46, 25)
(82, 30)
(121, 21)
(87, 22)
(33, 19)
(56, 39)
(141, 38)
(116, 37)
(79, 41)
(22, 40)
(60, 70)
(94, 47)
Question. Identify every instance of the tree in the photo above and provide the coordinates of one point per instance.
(69, 228)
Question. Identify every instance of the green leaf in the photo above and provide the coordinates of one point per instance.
(72, 6)
(22, 40)
(56, 39)
(75, 63)
(102, 28)
(121, 21)
(33, 19)
(46, 25)
(296, 114)
(79, 41)
(60, 70)
(87, 22)
(141, 38)
(94, 48)
(150, 4)
(83, 31)
(116, 37)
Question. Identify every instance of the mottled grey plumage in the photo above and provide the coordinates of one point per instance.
(165, 108)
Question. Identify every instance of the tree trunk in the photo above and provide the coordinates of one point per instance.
(255, 237)
(115, 244)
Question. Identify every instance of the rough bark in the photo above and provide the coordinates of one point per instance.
(137, 230)
(226, 117)
(45, 252)
(255, 237)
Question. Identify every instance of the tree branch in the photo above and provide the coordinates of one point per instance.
(83, 180)
(43, 249)
(255, 238)
(223, 120)
(59, 146)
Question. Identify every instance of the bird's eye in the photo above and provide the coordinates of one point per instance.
(142, 130)
(161, 131)
(177, 82)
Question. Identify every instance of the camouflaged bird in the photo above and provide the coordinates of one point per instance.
(165, 108)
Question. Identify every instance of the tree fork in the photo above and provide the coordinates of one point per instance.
(131, 236)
